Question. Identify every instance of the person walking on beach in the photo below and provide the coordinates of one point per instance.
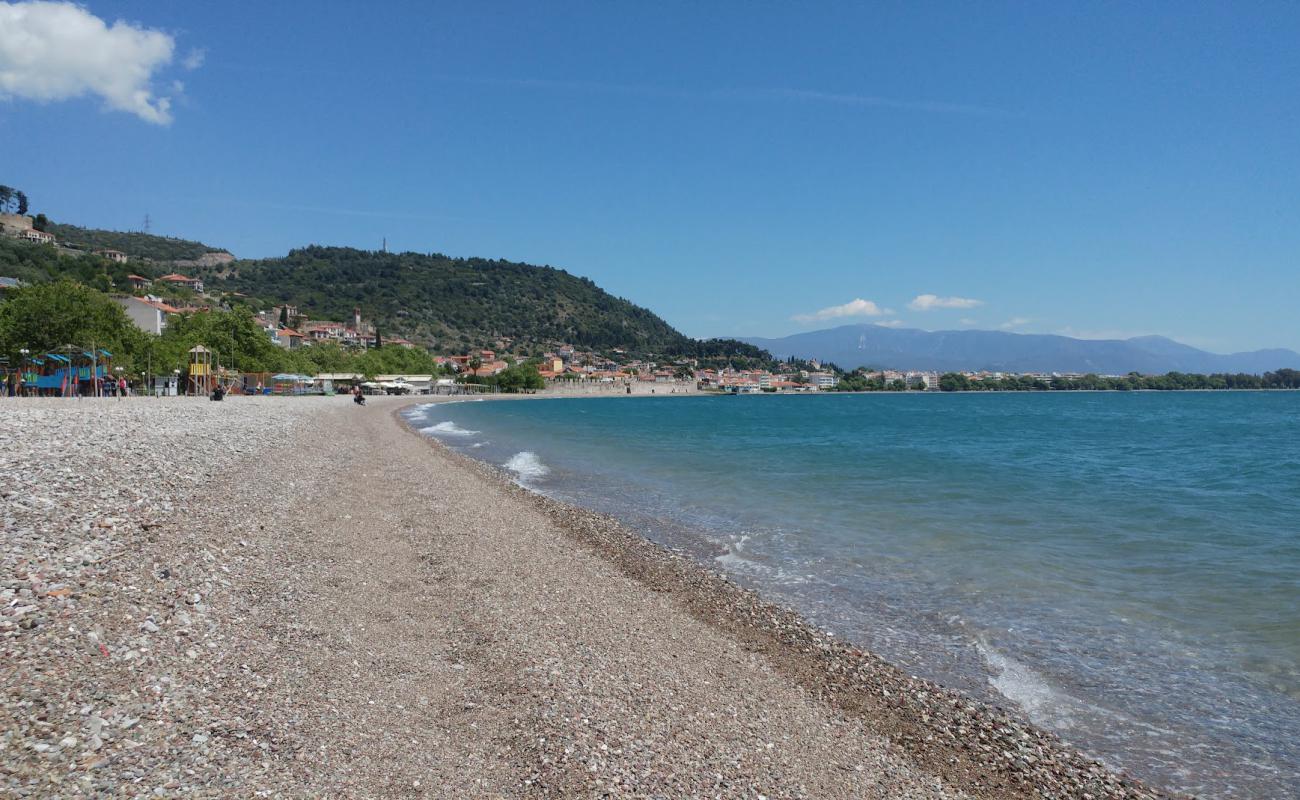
(121, 387)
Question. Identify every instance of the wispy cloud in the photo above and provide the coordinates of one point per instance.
(1015, 322)
(969, 321)
(890, 323)
(854, 308)
(759, 94)
(872, 101)
(928, 302)
(58, 51)
(194, 58)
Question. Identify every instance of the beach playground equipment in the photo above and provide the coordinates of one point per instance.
(201, 378)
(291, 383)
(72, 372)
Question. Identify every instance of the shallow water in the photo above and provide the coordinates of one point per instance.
(1122, 568)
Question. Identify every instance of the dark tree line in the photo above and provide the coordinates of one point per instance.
(1173, 381)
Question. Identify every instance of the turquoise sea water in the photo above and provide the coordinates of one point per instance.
(1121, 568)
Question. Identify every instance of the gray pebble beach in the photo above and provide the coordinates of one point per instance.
(297, 597)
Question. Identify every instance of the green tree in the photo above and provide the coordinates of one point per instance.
(234, 336)
(953, 382)
(519, 378)
(47, 317)
(284, 316)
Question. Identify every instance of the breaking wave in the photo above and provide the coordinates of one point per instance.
(527, 466)
(447, 429)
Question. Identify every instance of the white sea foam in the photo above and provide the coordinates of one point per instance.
(527, 466)
(447, 429)
(738, 561)
(1028, 689)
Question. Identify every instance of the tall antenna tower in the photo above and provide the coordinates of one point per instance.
(146, 223)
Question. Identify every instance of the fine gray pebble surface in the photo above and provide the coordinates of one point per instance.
(297, 597)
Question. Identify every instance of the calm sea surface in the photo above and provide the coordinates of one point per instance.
(1123, 569)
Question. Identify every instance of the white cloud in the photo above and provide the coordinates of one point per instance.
(195, 58)
(890, 323)
(969, 321)
(925, 302)
(854, 308)
(57, 51)
(1015, 322)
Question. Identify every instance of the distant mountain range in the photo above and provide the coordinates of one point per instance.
(852, 346)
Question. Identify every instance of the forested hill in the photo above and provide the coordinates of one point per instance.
(456, 302)
(135, 244)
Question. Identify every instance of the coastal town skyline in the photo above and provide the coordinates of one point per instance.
(1132, 179)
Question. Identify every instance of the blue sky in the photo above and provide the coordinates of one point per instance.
(742, 169)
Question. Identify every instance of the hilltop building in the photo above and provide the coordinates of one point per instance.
(40, 237)
(177, 279)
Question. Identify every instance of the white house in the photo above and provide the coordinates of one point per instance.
(823, 380)
(33, 235)
(149, 316)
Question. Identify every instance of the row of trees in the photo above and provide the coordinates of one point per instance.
(514, 379)
(858, 382)
(1173, 381)
(47, 317)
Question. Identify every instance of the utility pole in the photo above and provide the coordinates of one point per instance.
(146, 223)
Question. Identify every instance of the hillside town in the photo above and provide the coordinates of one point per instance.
(154, 294)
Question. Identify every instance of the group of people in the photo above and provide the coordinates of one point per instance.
(16, 386)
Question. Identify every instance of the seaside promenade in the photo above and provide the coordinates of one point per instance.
(297, 597)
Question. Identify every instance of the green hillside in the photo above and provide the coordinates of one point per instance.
(455, 302)
(133, 243)
(40, 263)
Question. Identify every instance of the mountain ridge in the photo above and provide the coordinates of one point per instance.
(862, 345)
